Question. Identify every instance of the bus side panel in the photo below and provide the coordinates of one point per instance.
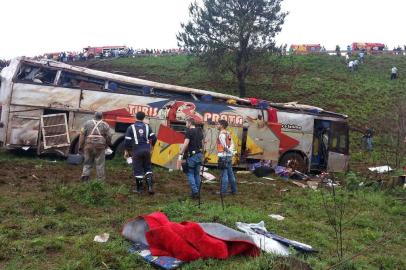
(261, 141)
(299, 127)
(105, 101)
(45, 96)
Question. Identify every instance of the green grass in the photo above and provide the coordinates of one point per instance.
(50, 224)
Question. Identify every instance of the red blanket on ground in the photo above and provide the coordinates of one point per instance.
(187, 241)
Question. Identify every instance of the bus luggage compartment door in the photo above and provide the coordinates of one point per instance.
(24, 131)
(55, 130)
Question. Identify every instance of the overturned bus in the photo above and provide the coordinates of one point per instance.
(45, 103)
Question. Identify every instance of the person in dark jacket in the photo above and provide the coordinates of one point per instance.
(138, 140)
(367, 138)
(192, 150)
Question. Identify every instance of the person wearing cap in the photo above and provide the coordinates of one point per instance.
(95, 137)
(192, 150)
(225, 153)
(138, 140)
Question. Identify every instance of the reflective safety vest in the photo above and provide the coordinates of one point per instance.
(220, 148)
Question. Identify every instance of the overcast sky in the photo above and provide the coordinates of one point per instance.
(34, 27)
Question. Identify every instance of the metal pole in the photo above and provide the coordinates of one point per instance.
(201, 173)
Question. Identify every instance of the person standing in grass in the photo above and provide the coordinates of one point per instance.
(94, 138)
(367, 138)
(394, 73)
(225, 153)
(351, 66)
(192, 148)
(138, 140)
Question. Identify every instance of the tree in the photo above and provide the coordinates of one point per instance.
(232, 33)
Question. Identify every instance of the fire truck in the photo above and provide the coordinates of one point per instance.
(45, 103)
(305, 48)
(357, 46)
(97, 51)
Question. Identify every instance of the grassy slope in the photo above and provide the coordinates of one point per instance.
(49, 221)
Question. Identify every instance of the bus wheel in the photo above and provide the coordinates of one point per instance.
(294, 161)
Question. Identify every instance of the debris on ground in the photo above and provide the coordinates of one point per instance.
(262, 168)
(266, 244)
(243, 172)
(277, 217)
(204, 181)
(271, 242)
(299, 184)
(381, 169)
(251, 183)
(269, 178)
(102, 238)
(108, 151)
(313, 184)
(208, 176)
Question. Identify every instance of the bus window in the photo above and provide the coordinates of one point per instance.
(172, 94)
(33, 74)
(124, 88)
(70, 79)
(339, 138)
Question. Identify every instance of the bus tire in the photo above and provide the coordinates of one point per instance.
(294, 161)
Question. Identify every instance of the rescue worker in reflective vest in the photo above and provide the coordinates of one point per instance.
(95, 137)
(225, 153)
(138, 140)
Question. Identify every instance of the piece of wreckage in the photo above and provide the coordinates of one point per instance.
(45, 103)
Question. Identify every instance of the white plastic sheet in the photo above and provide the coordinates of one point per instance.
(266, 244)
(381, 169)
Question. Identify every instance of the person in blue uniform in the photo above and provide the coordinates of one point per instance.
(138, 140)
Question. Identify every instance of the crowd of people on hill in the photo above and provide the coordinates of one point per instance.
(353, 60)
(113, 53)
